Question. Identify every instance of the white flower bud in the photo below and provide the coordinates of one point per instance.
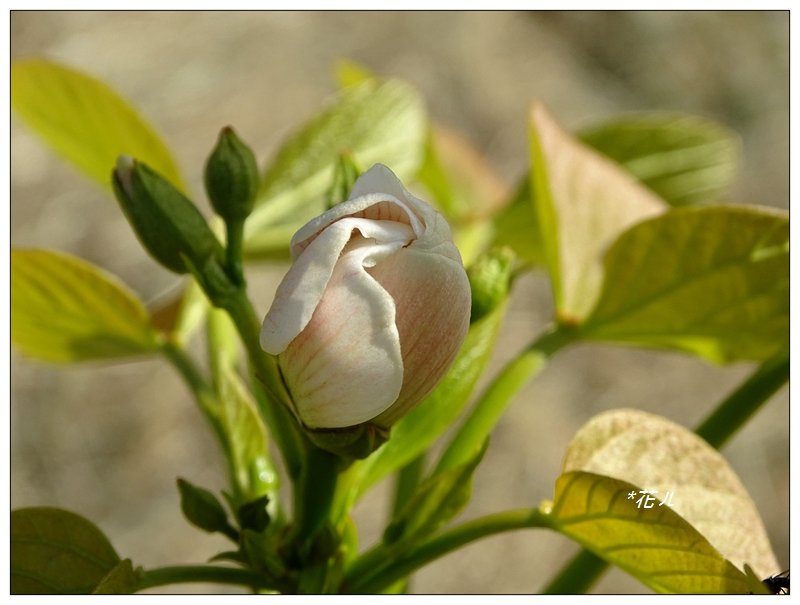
(374, 309)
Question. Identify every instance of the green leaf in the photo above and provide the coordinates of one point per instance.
(517, 227)
(201, 508)
(85, 121)
(655, 454)
(435, 501)
(180, 316)
(418, 429)
(122, 579)
(344, 177)
(65, 310)
(349, 73)
(654, 545)
(374, 121)
(54, 551)
(684, 159)
(713, 281)
(582, 202)
(247, 438)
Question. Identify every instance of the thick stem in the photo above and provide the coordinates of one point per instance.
(376, 570)
(578, 575)
(192, 574)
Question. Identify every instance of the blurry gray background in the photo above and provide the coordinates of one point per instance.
(107, 441)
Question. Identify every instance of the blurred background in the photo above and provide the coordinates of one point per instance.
(107, 441)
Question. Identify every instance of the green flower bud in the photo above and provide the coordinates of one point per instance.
(167, 223)
(231, 177)
(489, 280)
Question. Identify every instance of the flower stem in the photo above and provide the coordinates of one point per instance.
(584, 569)
(190, 574)
(376, 570)
(234, 238)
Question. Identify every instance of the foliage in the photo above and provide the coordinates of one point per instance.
(614, 218)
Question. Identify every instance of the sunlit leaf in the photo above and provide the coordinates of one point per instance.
(54, 551)
(582, 202)
(516, 226)
(684, 159)
(85, 121)
(710, 280)
(64, 310)
(349, 73)
(654, 545)
(182, 314)
(654, 453)
(374, 121)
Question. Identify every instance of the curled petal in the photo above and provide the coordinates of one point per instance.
(352, 327)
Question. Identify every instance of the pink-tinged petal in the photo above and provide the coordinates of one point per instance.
(303, 286)
(345, 367)
(433, 299)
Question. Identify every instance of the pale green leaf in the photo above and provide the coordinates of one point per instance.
(122, 579)
(255, 474)
(582, 202)
(654, 453)
(85, 121)
(418, 429)
(349, 73)
(374, 121)
(64, 310)
(654, 545)
(516, 226)
(54, 551)
(713, 281)
(684, 159)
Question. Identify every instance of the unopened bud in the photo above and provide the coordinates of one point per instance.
(167, 223)
(231, 177)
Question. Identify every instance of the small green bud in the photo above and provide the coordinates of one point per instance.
(489, 280)
(253, 515)
(202, 508)
(231, 177)
(167, 223)
(350, 443)
(345, 174)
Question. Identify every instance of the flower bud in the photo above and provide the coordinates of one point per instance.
(231, 177)
(167, 223)
(373, 310)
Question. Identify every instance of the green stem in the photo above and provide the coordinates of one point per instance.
(190, 574)
(274, 401)
(580, 573)
(374, 571)
(314, 492)
(202, 391)
(234, 241)
(406, 481)
(493, 403)
(745, 401)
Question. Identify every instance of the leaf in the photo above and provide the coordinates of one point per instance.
(684, 159)
(653, 453)
(713, 281)
(435, 501)
(418, 429)
(654, 545)
(65, 310)
(181, 315)
(201, 508)
(516, 226)
(247, 439)
(85, 121)
(349, 73)
(462, 182)
(374, 121)
(54, 551)
(582, 202)
(122, 579)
